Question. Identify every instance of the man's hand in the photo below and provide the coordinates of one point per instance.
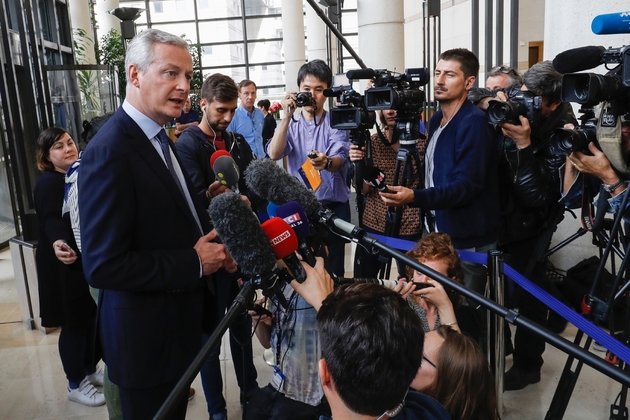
(404, 287)
(63, 252)
(320, 161)
(317, 285)
(229, 264)
(597, 165)
(217, 188)
(356, 153)
(519, 134)
(485, 102)
(288, 104)
(211, 255)
(401, 196)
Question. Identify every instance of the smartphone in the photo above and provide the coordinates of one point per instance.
(420, 286)
(64, 246)
(312, 154)
(260, 310)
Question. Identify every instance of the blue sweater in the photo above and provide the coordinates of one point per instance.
(465, 195)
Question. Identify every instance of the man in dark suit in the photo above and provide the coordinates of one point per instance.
(143, 232)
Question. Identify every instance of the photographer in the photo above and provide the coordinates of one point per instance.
(529, 176)
(596, 163)
(383, 156)
(312, 135)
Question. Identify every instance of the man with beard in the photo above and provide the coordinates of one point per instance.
(195, 148)
(460, 195)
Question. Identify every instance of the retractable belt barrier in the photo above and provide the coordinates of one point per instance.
(590, 329)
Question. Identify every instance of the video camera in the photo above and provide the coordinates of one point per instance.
(592, 88)
(401, 92)
(520, 102)
(350, 112)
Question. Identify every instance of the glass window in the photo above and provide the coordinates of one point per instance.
(261, 28)
(271, 76)
(264, 52)
(349, 22)
(222, 55)
(257, 7)
(142, 20)
(220, 31)
(213, 9)
(187, 30)
(158, 8)
(173, 10)
(236, 73)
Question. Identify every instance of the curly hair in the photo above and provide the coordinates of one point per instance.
(438, 247)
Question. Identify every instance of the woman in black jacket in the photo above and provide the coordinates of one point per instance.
(64, 296)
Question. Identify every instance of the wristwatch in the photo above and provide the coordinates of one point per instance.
(613, 187)
(329, 163)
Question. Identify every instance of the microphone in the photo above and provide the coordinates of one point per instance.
(374, 177)
(578, 59)
(294, 215)
(268, 180)
(225, 169)
(241, 234)
(272, 209)
(611, 23)
(361, 74)
(284, 243)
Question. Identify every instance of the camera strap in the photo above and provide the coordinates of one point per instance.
(586, 215)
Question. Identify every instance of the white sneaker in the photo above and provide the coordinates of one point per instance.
(97, 377)
(86, 394)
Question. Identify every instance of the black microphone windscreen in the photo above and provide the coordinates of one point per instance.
(269, 181)
(578, 59)
(241, 234)
(226, 171)
(361, 74)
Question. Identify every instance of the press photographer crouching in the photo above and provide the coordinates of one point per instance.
(528, 179)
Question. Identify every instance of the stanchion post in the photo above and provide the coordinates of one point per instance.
(496, 325)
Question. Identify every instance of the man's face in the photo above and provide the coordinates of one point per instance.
(164, 86)
(547, 107)
(450, 83)
(500, 81)
(312, 84)
(219, 114)
(187, 105)
(247, 95)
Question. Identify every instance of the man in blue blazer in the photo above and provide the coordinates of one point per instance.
(143, 232)
(461, 193)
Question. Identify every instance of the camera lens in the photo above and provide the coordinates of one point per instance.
(565, 141)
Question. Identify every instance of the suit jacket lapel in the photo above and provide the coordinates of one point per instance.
(147, 152)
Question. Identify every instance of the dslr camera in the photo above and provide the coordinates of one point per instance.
(564, 141)
(304, 99)
(520, 102)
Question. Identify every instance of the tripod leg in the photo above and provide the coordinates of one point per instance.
(566, 384)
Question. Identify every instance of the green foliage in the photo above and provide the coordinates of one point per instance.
(112, 51)
(88, 80)
(197, 79)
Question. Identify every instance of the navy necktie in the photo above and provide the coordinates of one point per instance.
(164, 141)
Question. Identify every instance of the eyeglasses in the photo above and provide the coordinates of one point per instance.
(428, 361)
(503, 69)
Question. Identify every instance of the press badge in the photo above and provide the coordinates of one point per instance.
(278, 378)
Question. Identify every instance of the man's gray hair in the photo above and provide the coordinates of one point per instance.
(140, 50)
(515, 78)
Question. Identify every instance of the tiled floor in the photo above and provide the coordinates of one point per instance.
(33, 385)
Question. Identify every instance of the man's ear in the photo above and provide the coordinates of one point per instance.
(133, 71)
(470, 82)
(324, 373)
